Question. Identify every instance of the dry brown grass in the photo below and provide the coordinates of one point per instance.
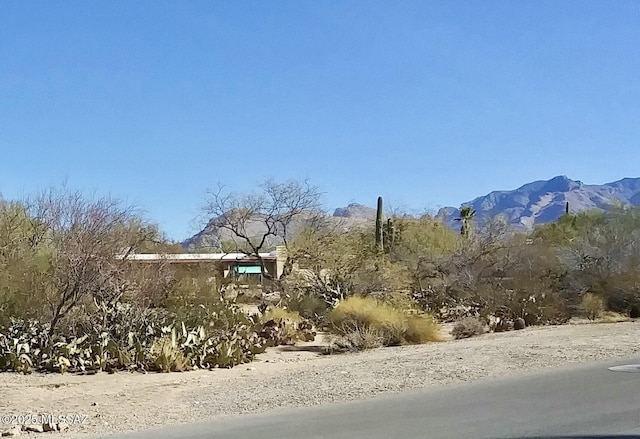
(613, 317)
(356, 339)
(422, 329)
(372, 317)
(593, 305)
(283, 314)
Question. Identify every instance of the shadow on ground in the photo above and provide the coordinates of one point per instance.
(302, 348)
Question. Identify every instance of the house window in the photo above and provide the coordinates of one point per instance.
(248, 272)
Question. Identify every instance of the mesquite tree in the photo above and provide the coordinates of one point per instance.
(257, 220)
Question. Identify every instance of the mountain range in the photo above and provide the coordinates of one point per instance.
(534, 203)
(544, 201)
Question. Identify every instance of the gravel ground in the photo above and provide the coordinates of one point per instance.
(299, 376)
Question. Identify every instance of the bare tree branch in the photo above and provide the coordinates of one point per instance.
(258, 219)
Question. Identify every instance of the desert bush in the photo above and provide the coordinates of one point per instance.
(468, 327)
(447, 305)
(395, 326)
(381, 275)
(543, 308)
(309, 305)
(366, 312)
(613, 317)
(356, 339)
(593, 305)
(422, 328)
(330, 260)
(530, 302)
(192, 286)
(61, 248)
(400, 301)
(277, 313)
(281, 326)
(602, 256)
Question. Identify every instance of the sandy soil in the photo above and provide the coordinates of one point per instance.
(299, 376)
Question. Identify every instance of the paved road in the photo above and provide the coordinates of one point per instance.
(579, 401)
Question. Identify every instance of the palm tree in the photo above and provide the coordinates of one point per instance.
(466, 215)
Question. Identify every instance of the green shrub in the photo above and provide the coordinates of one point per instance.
(357, 314)
(468, 327)
(192, 286)
(309, 305)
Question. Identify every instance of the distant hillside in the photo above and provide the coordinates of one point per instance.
(355, 210)
(534, 203)
(544, 201)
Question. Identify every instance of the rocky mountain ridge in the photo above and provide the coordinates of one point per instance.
(534, 203)
(544, 201)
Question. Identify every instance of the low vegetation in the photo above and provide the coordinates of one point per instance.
(468, 327)
(372, 322)
(71, 300)
(592, 305)
(284, 327)
(488, 272)
(128, 340)
(613, 317)
(357, 338)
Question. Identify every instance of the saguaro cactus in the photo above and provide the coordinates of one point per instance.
(566, 208)
(379, 239)
(391, 233)
(466, 216)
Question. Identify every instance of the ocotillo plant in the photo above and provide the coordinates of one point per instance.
(379, 239)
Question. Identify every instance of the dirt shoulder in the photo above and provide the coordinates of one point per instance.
(298, 376)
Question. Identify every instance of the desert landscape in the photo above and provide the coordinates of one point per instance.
(294, 376)
(345, 220)
(159, 335)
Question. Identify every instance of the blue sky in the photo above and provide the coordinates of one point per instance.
(425, 103)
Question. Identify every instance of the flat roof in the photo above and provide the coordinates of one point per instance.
(195, 257)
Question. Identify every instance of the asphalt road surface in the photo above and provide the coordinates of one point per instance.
(584, 401)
